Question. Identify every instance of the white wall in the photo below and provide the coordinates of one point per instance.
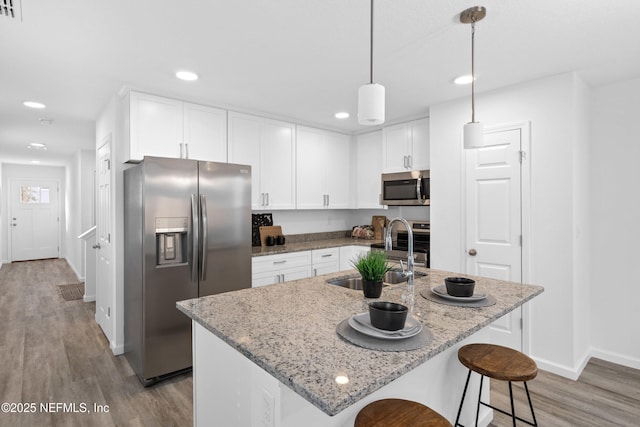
(615, 207)
(550, 106)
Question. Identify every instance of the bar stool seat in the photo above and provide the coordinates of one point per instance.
(499, 363)
(399, 413)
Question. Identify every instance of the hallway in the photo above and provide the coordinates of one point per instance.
(52, 352)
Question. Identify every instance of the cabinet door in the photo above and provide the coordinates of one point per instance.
(337, 170)
(155, 127)
(244, 148)
(394, 148)
(296, 273)
(205, 133)
(277, 162)
(310, 152)
(369, 168)
(348, 254)
(419, 140)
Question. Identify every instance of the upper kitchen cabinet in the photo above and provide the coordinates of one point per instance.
(369, 167)
(269, 147)
(164, 127)
(323, 164)
(406, 146)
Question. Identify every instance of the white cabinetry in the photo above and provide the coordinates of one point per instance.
(325, 261)
(406, 146)
(351, 253)
(269, 147)
(270, 269)
(165, 127)
(369, 168)
(323, 164)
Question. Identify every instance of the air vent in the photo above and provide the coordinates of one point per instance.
(11, 9)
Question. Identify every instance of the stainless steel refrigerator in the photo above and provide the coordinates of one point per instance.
(187, 234)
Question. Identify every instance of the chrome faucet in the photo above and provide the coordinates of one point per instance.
(407, 297)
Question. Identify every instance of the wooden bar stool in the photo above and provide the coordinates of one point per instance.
(399, 413)
(500, 363)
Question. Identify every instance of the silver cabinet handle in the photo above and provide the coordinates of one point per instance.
(326, 255)
(473, 252)
(327, 200)
(315, 271)
(267, 204)
(280, 262)
(410, 161)
(96, 246)
(186, 150)
(405, 161)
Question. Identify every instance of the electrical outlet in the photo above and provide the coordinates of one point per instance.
(268, 409)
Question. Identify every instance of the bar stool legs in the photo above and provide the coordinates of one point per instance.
(500, 363)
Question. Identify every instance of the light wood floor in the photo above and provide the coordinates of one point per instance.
(52, 351)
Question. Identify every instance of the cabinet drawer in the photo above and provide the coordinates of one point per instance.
(325, 255)
(267, 263)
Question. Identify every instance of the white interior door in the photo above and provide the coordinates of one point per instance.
(494, 220)
(104, 275)
(35, 219)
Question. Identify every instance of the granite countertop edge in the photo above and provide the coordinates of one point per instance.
(257, 251)
(196, 309)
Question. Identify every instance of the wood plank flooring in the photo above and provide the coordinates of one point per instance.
(53, 352)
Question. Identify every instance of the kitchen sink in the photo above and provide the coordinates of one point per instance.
(355, 281)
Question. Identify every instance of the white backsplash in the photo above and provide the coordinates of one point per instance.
(323, 220)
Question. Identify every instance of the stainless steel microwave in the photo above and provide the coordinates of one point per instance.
(405, 189)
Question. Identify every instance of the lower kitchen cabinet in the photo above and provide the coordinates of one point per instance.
(270, 269)
(351, 253)
(325, 261)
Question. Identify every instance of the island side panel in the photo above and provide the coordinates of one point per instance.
(229, 389)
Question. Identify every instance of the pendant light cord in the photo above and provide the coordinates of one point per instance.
(371, 47)
(473, 71)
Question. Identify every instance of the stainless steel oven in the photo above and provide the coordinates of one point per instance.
(405, 188)
(421, 243)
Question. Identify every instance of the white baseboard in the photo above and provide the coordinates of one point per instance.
(573, 373)
(618, 359)
(117, 349)
(73, 267)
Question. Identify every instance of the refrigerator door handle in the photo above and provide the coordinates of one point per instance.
(203, 213)
(195, 227)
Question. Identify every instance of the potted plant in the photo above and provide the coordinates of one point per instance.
(372, 267)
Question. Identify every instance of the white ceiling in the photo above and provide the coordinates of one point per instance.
(301, 60)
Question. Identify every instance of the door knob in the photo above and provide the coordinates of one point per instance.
(473, 252)
(96, 246)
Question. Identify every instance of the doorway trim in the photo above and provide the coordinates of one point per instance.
(525, 211)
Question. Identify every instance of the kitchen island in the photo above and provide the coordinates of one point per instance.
(271, 356)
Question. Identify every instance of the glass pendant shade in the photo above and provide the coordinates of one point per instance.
(473, 135)
(371, 104)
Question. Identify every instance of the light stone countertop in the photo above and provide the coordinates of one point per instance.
(310, 245)
(289, 330)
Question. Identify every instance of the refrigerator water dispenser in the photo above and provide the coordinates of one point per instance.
(171, 238)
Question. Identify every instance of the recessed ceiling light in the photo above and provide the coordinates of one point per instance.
(33, 104)
(37, 145)
(35, 162)
(187, 76)
(341, 115)
(463, 80)
(45, 121)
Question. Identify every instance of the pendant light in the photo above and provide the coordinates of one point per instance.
(371, 96)
(473, 131)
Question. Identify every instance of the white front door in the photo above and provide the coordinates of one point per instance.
(104, 274)
(494, 219)
(35, 219)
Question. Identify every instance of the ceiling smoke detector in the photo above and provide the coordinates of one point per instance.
(11, 9)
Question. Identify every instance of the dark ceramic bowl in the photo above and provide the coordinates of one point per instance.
(460, 286)
(387, 315)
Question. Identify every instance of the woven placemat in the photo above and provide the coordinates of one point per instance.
(431, 296)
(415, 342)
(72, 291)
